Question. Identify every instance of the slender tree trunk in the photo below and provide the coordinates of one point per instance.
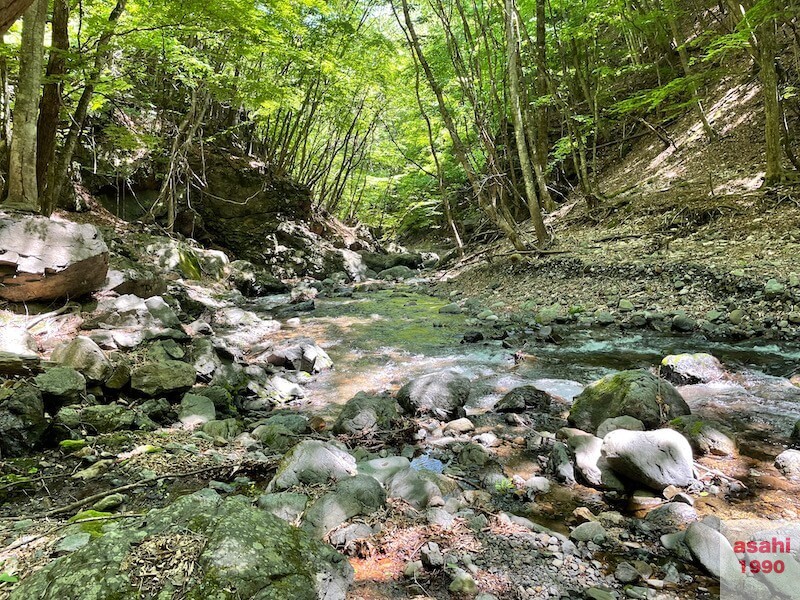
(772, 111)
(58, 170)
(22, 191)
(10, 11)
(512, 42)
(542, 120)
(459, 148)
(50, 106)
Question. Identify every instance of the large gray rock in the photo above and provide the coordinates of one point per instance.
(687, 369)
(364, 414)
(441, 394)
(127, 321)
(670, 517)
(714, 553)
(706, 437)
(61, 385)
(22, 420)
(105, 418)
(312, 461)
(398, 272)
(591, 465)
(46, 259)
(83, 355)
(523, 398)
(299, 354)
(788, 463)
(419, 488)
(637, 394)
(229, 550)
(655, 458)
(253, 281)
(359, 495)
(163, 377)
(196, 410)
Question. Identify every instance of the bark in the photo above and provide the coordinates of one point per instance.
(22, 190)
(542, 120)
(50, 105)
(512, 41)
(10, 11)
(769, 85)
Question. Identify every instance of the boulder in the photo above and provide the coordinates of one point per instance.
(298, 354)
(441, 394)
(163, 377)
(226, 429)
(252, 281)
(590, 464)
(105, 418)
(706, 437)
(788, 463)
(284, 505)
(312, 461)
(670, 517)
(523, 398)
(196, 410)
(364, 414)
(689, 369)
(623, 422)
(714, 553)
(83, 355)
(46, 259)
(419, 488)
(398, 272)
(379, 262)
(127, 321)
(359, 495)
(655, 458)
(60, 386)
(637, 394)
(229, 549)
(22, 420)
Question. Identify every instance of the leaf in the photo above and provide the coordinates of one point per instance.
(8, 578)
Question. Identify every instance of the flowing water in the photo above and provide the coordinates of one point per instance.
(379, 340)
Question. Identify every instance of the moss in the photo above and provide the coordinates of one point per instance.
(189, 265)
(93, 528)
(72, 445)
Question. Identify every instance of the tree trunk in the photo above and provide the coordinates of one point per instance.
(542, 120)
(10, 11)
(22, 191)
(50, 105)
(512, 43)
(58, 170)
(459, 148)
(769, 86)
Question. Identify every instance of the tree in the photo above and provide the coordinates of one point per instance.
(10, 11)
(22, 190)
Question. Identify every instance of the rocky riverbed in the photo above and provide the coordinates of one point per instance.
(200, 429)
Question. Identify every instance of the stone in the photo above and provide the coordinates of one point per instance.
(396, 273)
(462, 425)
(196, 410)
(440, 394)
(788, 463)
(683, 323)
(310, 462)
(226, 429)
(72, 542)
(61, 385)
(22, 420)
(163, 377)
(591, 531)
(347, 537)
(595, 593)
(795, 435)
(688, 369)
(625, 305)
(462, 582)
(590, 464)
(655, 458)
(472, 337)
(46, 259)
(431, 555)
(109, 503)
(736, 316)
(105, 418)
(560, 464)
(714, 553)
(670, 517)
(253, 281)
(365, 414)
(773, 288)
(706, 437)
(382, 469)
(623, 422)
(284, 505)
(358, 495)
(418, 488)
(276, 437)
(86, 357)
(523, 398)
(637, 394)
(299, 354)
(626, 573)
(450, 309)
(243, 552)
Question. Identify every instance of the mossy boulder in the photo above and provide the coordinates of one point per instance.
(230, 549)
(60, 386)
(706, 437)
(84, 355)
(22, 421)
(637, 393)
(365, 414)
(163, 377)
(106, 418)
